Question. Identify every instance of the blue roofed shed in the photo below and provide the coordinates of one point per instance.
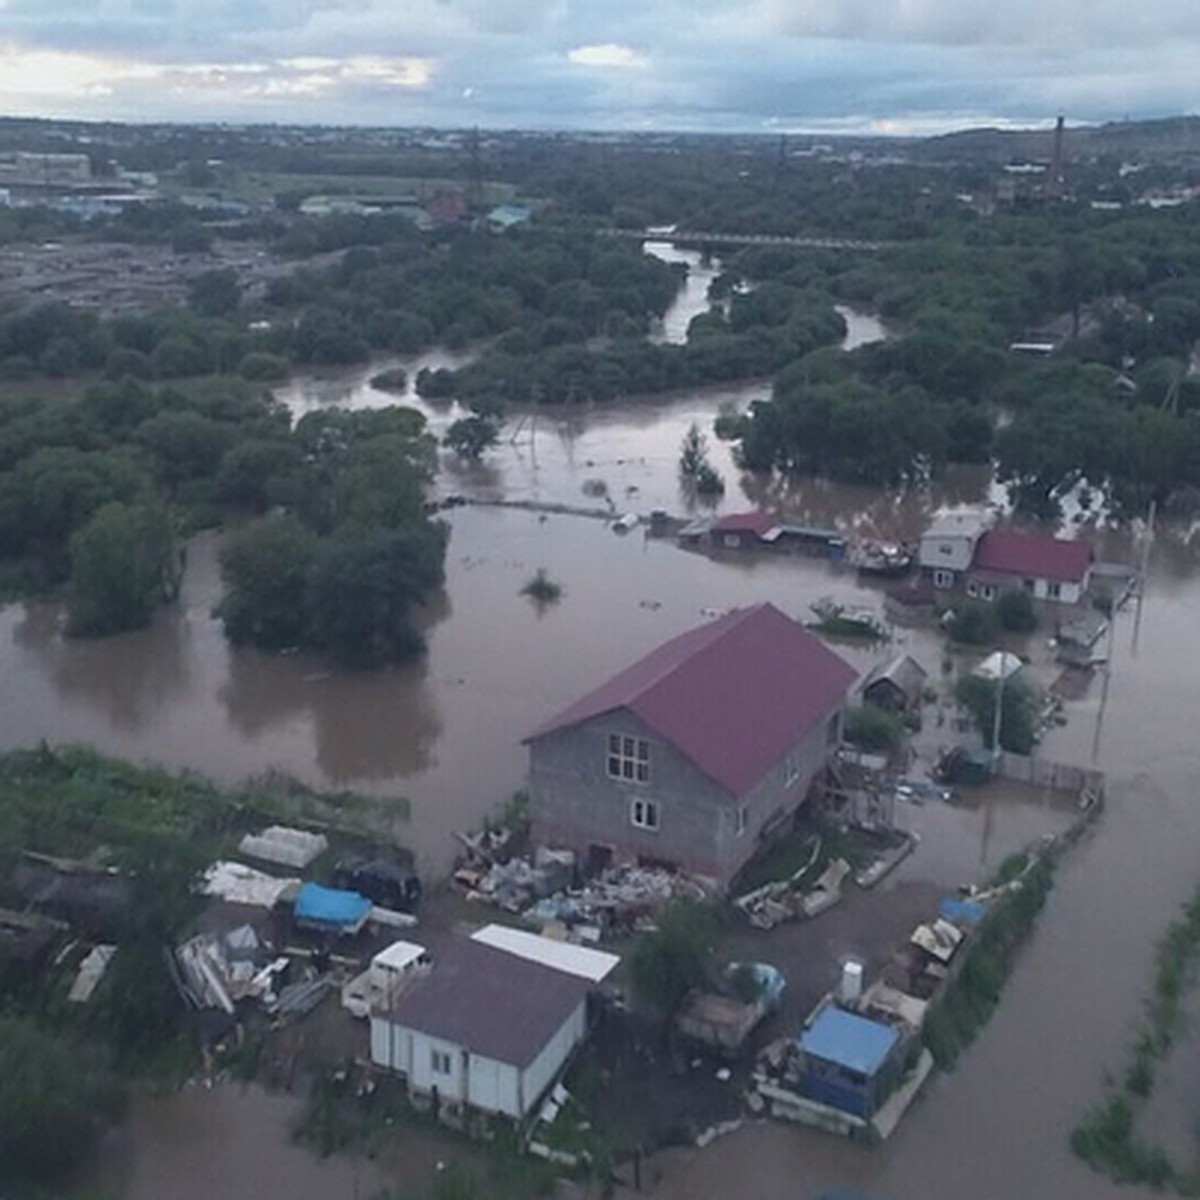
(331, 910)
(849, 1061)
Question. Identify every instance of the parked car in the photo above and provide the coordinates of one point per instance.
(389, 884)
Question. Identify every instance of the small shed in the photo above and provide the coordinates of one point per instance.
(483, 1029)
(331, 910)
(850, 1062)
(896, 686)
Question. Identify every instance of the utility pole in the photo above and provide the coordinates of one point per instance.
(998, 717)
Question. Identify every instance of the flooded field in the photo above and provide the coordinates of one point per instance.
(447, 732)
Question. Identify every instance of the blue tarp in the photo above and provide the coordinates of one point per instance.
(849, 1040)
(333, 907)
(952, 908)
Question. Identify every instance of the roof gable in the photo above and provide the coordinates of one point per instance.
(1035, 555)
(733, 696)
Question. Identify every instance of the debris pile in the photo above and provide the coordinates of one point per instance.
(544, 890)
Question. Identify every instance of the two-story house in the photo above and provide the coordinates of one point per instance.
(695, 753)
(948, 545)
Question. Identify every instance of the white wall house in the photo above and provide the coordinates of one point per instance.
(1052, 570)
(484, 1028)
(948, 545)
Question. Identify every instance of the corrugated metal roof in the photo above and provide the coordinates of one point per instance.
(594, 965)
(1033, 555)
(850, 1041)
(490, 1002)
(756, 522)
(734, 695)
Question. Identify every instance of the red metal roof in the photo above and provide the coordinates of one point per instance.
(758, 523)
(1033, 555)
(734, 695)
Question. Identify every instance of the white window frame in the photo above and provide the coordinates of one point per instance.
(1053, 589)
(791, 770)
(441, 1062)
(644, 814)
(741, 820)
(943, 578)
(973, 589)
(627, 758)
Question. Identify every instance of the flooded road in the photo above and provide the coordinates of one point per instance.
(446, 734)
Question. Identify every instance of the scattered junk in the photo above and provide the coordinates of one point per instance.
(783, 900)
(723, 1018)
(847, 621)
(236, 883)
(91, 972)
(208, 977)
(883, 560)
(284, 846)
(328, 910)
(850, 986)
(388, 883)
(391, 970)
(625, 523)
(545, 891)
(940, 939)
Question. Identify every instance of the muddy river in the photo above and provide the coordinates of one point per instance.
(447, 733)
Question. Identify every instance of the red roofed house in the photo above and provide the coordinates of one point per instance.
(743, 529)
(1048, 568)
(696, 752)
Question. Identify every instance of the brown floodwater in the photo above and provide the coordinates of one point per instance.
(446, 733)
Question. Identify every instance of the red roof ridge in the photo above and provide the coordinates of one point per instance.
(733, 707)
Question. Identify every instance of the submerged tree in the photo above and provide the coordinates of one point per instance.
(541, 589)
(124, 564)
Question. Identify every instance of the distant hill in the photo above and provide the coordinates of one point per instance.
(1166, 139)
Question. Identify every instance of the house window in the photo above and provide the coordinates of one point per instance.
(1029, 585)
(628, 758)
(987, 592)
(741, 816)
(946, 549)
(1054, 591)
(791, 770)
(643, 814)
(440, 1062)
(943, 579)
(732, 539)
(973, 589)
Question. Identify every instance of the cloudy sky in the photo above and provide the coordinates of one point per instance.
(858, 65)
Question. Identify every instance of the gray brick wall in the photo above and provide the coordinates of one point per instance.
(575, 803)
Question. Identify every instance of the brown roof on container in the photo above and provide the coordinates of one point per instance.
(490, 1002)
(759, 523)
(734, 695)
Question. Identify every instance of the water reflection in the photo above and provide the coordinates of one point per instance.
(128, 678)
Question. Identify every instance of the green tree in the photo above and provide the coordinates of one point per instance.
(673, 959)
(265, 568)
(124, 564)
(972, 624)
(470, 436)
(56, 1095)
(363, 588)
(872, 729)
(1019, 713)
(185, 444)
(693, 452)
(1015, 611)
(215, 293)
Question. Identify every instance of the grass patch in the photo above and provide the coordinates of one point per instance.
(955, 1018)
(1106, 1139)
